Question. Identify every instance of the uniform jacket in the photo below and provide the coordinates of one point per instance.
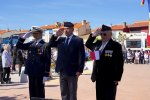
(110, 66)
(70, 58)
(38, 57)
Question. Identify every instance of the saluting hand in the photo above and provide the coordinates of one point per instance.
(97, 32)
(27, 35)
(60, 32)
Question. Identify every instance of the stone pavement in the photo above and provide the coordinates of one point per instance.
(135, 85)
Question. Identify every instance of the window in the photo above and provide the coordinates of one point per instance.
(136, 43)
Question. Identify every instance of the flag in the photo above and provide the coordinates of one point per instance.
(149, 7)
(142, 2)
(148, 41)
(95, 55)
(148, 35)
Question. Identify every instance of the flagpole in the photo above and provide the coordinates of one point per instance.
(149, 25)
(148, 35)
(148, 1)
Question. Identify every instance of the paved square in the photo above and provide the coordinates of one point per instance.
(135, 85)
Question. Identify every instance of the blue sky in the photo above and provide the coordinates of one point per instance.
(16, 14)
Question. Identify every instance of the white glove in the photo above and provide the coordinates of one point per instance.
(27, 35)
(45, 79)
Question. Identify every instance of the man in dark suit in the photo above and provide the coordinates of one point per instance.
(141, 57)
(37, 64)
(108, 68)
(70, 60)
(17, 58)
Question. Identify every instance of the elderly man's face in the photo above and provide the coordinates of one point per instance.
(106, 35)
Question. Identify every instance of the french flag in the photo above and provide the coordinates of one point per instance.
(142, 2)
(148, 1)
(95, 55)
(149, 8)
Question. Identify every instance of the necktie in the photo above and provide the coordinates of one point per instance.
(67, 41)
(34, 43)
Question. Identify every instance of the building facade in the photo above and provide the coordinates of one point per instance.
(133, 36)
(80, 29)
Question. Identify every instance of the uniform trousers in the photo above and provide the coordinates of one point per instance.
(68, 87)
(105, 91)
(36, 87)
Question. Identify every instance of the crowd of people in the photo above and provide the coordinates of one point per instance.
(71, 57)
(137, 56)
(9, 59)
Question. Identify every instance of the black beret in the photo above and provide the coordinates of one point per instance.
(106, 28)
(68, 24)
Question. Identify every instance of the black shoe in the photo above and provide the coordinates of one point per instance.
(2, 82)
(8, 82)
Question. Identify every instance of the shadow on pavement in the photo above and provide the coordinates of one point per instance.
(16, 97)
(51, 85)
(35, 98)
(14, 88)
(13, 84)
(8, 98)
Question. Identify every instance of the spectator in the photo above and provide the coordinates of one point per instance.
(6, 63)
(19, 59)
(146, 57)
(141, 57)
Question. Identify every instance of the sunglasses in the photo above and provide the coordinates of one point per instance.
(103, 34)
(35, 33)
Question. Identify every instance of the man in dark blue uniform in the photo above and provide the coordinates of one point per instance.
(108, 67)
(70, 60)
(37, 64)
